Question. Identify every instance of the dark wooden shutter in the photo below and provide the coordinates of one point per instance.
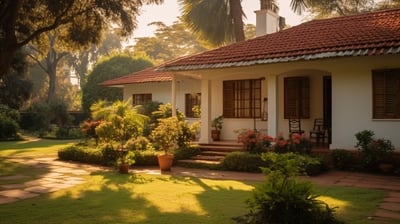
(386, 93)
(296, 97)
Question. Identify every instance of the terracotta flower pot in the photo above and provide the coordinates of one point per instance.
(123, 168)
(165, 162)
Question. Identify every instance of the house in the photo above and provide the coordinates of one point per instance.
(345, 70)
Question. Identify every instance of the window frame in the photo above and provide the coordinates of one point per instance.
(386, 93)
(242, 98)
(296, 97)
(143, 98)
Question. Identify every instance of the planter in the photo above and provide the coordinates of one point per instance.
(215, 135)
(123, 168)
(165, 162)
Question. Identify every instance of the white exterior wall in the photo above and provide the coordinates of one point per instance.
(161, 91)
(351, 96)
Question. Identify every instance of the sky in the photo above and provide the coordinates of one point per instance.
(169, 11)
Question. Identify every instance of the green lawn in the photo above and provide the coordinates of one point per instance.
(33, 148)
(109, 197)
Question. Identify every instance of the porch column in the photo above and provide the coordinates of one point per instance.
(205, 129)
(173, 96)
(272, 82)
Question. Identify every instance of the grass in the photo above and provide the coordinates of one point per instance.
(109, 197)
(33, 148)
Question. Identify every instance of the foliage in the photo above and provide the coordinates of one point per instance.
(82, 60)
(139, 143)
(373, 151)
(284, 199)
(166, 134)
(242, 161)
(342, 159)
(146, 158)
(295, 143)
(217, 122)
(83, 22)
(186, 152)
(329, 8)
(254, 141)
(9, 126)
(169, 42)
(149, 109)
(88, 128)
(81, 154)
(120, 122)
(109, 68)
(15, 88)
(227, 17)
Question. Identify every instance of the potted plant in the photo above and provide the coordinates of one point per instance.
(165, 137)
(125, 160)
(120, 122)
(216, 126)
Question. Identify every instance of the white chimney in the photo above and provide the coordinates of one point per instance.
(267, 22)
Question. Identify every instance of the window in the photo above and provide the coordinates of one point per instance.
(191, 101)
(386, 94)
(242, 98)
(297, 97)
(140, 99)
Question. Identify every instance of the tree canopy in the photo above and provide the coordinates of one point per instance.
(169, 42)
(84, 21)
(109, 68)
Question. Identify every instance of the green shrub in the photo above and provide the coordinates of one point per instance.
(242, 161)
(109, 154)
(146, 158)
(283, 198)
(138, 143)
(187, 152)
(81, 154)
(8, 128)
(9, 119)
(342, 159)
(373, 151)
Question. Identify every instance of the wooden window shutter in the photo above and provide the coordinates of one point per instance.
(296, 97)
(386, 94)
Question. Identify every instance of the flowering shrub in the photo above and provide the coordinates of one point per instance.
(89, 128)
(296, 143)
(373, 151)
(254, 141)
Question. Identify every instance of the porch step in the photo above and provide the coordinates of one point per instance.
(211, 154)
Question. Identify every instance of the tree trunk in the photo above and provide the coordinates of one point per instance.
(237, 14)
(8, 40)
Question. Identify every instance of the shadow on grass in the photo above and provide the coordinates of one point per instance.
(108, 197)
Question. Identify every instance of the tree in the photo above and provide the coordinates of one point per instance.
(15, 89)
(169, 42)
(21, 21)
(81, 60)
(226, 16)
(109, 68)
(332, 8)
(48, 59)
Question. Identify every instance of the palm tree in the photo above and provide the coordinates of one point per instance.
(221, 21)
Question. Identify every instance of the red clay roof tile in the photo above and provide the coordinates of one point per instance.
(363, 34)
(143, 76)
